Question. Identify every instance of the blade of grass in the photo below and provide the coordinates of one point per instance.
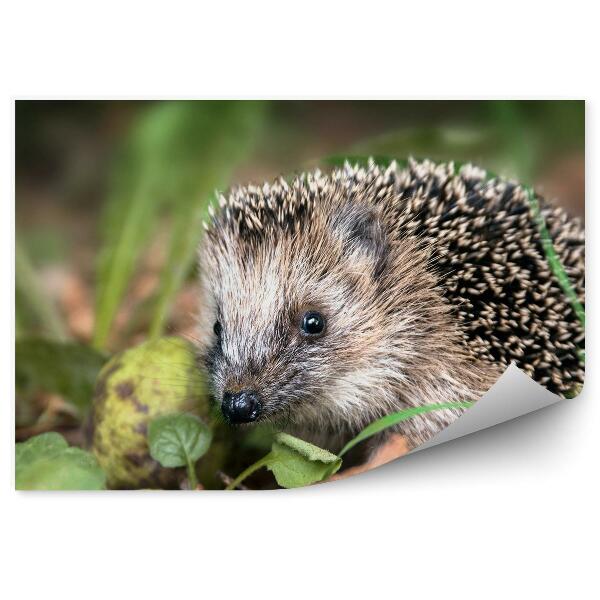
(29, 291)
(555, 264)
(117, 262)
(397, 417)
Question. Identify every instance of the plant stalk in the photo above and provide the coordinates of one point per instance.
(263, 462)
(191, 471)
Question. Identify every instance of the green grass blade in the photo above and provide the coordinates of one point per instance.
(553, 260)
(29, 290)
(118, 259)
(397, 417)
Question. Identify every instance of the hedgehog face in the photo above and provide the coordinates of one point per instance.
(284, 318)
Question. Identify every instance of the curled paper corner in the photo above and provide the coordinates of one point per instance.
(513, 395)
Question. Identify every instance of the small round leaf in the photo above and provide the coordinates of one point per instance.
(178, 440)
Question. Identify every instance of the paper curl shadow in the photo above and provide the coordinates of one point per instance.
(513, 395)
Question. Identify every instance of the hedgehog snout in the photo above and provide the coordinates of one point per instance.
(241, 407)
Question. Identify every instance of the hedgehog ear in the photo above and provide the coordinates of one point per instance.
(362, 232)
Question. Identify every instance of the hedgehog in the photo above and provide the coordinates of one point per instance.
(334, 299)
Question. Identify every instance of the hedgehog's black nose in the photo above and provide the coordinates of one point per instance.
(241, 407)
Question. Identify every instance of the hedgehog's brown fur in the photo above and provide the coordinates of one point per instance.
(432, 280)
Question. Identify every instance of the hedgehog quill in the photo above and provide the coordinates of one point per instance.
(338, 298)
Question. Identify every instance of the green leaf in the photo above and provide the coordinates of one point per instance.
(46, 444)
(178, 440)
(175, 155)
(294, 463)
(397, 417)
(46, 462)
(67, 369)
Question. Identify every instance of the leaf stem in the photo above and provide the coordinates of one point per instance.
(191, 471)
(263, 462)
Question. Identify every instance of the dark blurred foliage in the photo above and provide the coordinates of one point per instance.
(68, 145)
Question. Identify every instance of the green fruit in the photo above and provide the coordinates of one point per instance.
(156, 378)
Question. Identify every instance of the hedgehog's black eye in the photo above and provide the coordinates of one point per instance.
(313, 323)
(217, 328)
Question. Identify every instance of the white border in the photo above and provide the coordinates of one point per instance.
(508, 513)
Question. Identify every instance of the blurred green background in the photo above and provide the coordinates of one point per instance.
(110, 194)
